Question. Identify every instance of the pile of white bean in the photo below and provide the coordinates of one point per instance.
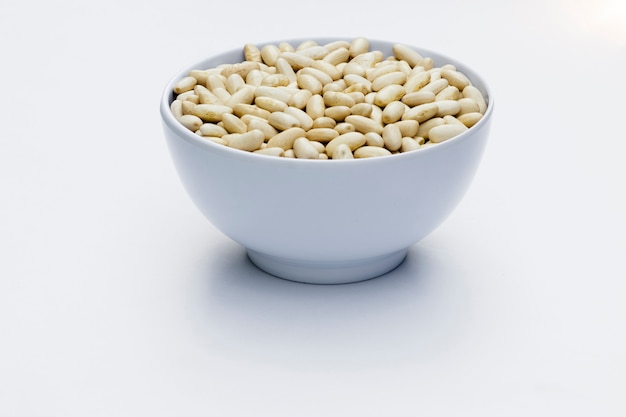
(339, 101)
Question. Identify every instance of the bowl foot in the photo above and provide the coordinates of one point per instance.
(313, 272)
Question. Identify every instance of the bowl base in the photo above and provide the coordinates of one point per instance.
(312, 272)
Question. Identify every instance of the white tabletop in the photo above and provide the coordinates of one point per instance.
(117, 298)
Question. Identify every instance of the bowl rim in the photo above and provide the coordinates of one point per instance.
(170, 121)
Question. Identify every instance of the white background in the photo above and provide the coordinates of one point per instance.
(117, 298)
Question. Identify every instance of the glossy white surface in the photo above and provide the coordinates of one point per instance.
(118, 298)
(326, 222)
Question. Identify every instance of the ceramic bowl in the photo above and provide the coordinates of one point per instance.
(325, 221)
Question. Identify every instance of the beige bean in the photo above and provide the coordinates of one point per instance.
(448, 93)
(337, 56)
(205, 96)
(249, 141)
(468, 105)
(315, 106)
(455, 78)
(323, 156)
(244, 95)
(187, 106)
(361, 109)
(427, 63)
(273, 92)
(304, 149)
(176, 108)
(233, 83)
(304, 120)
(330, 69)
(364, 124)
(383, 68)
(222, 95)
(421, 113)
(451, 120)
(357, 88)
(353, 68)
(199, 75)
(275, 80)
(474, 93)
(357, 96)
(334, 86)
(254, 122)
(408, 127)
(435, 86)
(358, 46)
(386, 95)
(286, 47)
(470, 119)
(321, 76)
(335, 98)
(211, 129)
(297, 61)
(283, 67)
(289, 153)
(306, 44)
(189, 96)
(282, 120)
(190, 121)
(309, 82)
(368, 59)
(417, 81)
(315, 52)
(185, 84)
(210, 112)
(324, 122)
(408, 54)
(418, 97)
(409, 144)
(241, 109)
(377, 114)
(215, 139)
(424, 128)
(214, 81)
(374, 139)
(242, 68)
(233, 124)
(371, 152)
(286, 138)
(276, 151)
(435, 74)
(354, 140)
(444, 132)
(299, 99)
(344, 127)
(392, 137)
(393, 112)
(321, 148)
(342, 151)
(322, 134)
(447, 107)
(339, 113)
(269, 54)
(352, 79)
(252, 53)
(331, 46)
(270, 104)
(396, 77)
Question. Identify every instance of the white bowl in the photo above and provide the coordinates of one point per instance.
(326, 221)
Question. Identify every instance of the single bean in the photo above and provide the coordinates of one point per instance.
(444, 132)
(354, 140)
